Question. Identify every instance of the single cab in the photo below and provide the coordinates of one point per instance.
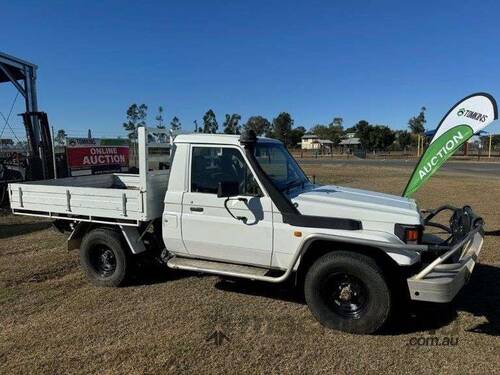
(241, 206)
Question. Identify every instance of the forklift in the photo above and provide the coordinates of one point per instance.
(39, 163)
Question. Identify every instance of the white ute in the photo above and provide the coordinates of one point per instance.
(240, 206)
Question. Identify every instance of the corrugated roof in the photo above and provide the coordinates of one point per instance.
(350, 141)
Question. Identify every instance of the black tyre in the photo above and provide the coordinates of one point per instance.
(104, 258)
(347, 291)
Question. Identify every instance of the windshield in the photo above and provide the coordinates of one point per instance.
(279, 165)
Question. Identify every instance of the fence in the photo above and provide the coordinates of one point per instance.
(469, 151)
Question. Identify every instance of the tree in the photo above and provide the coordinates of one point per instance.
(270, 132)
(231, 124)
(175, 124)
(363, 133)
(210, 122)
(60, 137)
(136, 117)
(378, 137)
(381, 137)
(320, 130)
(495, 141)
(352, 129)
(159, 118)
(404, 139)
(296, 135)
(282, 126)
(416, 124)
(258, 124)
(338, 121)
(333, 132)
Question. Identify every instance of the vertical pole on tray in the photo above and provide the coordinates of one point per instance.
(143, 156)
(54, 154)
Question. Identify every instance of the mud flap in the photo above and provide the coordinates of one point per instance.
(75, 238)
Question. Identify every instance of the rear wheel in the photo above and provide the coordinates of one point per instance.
(347, 291)
(103, 257)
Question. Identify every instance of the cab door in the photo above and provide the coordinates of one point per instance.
(209, 227)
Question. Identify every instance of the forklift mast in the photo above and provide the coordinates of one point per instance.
(22, 75)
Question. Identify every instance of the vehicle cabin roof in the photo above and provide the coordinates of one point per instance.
(220, 139)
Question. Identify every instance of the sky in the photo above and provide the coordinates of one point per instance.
(378, 61)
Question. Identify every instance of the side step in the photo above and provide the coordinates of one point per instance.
(219, 268)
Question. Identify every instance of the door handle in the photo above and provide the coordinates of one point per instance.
(196, 209)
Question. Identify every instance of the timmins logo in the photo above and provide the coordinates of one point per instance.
(472, 115)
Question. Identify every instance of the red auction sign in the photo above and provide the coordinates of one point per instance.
(98, 156)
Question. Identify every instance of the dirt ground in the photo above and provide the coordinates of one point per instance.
(54, 322)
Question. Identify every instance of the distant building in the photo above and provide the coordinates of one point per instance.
(6, 142)
(325, 145)
(9, 150)
(350, 144)
(310, 142)
(313, 142)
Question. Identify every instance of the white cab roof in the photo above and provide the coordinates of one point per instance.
(224, 139)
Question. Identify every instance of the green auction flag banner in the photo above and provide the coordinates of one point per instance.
(466, 118)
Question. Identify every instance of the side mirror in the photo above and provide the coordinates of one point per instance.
(228, 189)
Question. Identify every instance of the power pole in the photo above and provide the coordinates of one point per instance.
(489, 146)
(418, 145)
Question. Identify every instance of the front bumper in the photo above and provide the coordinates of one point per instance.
(441, 279)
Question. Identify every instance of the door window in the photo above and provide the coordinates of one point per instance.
(211, 165)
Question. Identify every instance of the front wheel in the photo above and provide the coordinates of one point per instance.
(104, 258)
(347, 291)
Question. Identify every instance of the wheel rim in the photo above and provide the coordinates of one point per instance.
(103, 261)
(346, 295)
